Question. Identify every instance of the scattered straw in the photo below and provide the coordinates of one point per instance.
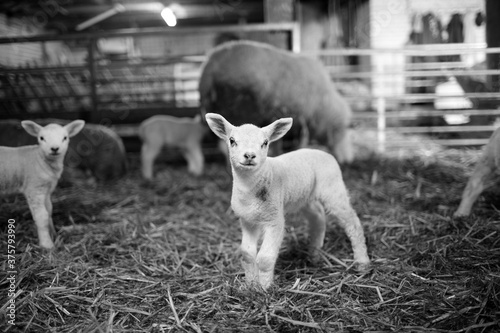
(163, 257)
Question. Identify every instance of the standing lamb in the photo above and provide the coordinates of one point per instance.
(266, 188)
(96, 149)
(35, 170)
(250, 82)
(183, 133)
(485, 174)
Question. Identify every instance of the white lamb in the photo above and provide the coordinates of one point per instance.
(34, 171)
(183, 133)
(265, 188)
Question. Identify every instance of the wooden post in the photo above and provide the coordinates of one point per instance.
(296, 38)
(381, 124)
(380, 105)
(493, 40)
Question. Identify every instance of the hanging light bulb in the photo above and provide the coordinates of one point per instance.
(169, 17)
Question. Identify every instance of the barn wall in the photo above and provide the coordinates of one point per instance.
(174, 45)
(391, 25)
(390, 21)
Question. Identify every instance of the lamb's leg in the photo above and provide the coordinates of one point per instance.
(268, 254)
(315, 214)
(36, 202)
(249, 242)
(48, 206)
(482, 178)
(148, 155)
(194, 157)
(340, 207)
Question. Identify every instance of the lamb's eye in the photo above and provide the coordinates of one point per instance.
(265, 143)
(232, 142)
(42, 139)
(65, 138)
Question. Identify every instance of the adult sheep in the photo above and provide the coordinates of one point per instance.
(96, 149)
(250, 82)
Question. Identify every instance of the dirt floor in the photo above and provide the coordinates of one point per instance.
(163, 257)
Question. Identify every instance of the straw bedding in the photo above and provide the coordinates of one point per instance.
(162, 257)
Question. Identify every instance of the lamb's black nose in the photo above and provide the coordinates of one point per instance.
(54, 149)
(249, 156)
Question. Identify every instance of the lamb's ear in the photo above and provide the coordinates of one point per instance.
(218, 124)
(31, 127)
(74, 127)
(278, 129)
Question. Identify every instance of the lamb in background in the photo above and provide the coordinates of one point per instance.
(266, 188)
(96, 149)
(485, 174)
(183, 133)
(35, 170)
(250, 82)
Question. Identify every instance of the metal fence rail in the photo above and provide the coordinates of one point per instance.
(126, 91)
(114, 90)
(393, 109)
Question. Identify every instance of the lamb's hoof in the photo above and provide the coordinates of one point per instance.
(47, 246)
(460, 214)
(195, 173)
(254, 285)
(363, 267)
(315, 257)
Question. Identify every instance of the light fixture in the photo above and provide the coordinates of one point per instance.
(169, 17)
(167, 13)
(118, 8)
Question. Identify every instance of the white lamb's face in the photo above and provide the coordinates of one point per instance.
(248, 146)
(53, 139)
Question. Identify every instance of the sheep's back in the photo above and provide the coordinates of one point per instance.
(255, 83)
(306, 173)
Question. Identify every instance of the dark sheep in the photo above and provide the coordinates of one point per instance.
(250, 82)
(96, 149)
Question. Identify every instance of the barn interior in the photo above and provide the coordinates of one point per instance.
(117, 63)
(162, 255)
